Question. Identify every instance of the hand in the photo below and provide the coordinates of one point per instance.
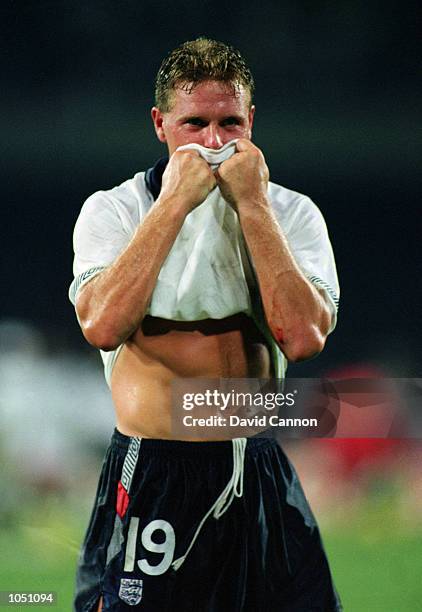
(188, 178)
(243, 179)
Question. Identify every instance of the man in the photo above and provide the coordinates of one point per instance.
(205, 526)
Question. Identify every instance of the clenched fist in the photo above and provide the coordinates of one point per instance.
(187, 178)
(243, 179)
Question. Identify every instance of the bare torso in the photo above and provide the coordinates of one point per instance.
(161, 351)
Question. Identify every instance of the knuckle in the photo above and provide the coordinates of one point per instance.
(189, 154)
(203, 170)
(183, 155)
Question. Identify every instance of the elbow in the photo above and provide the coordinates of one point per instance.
(98, 330)
(100, 335)
(305, 337)
(98, 324)
(305, 349)
(301, 344)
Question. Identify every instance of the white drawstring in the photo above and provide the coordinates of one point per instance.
(234, 488)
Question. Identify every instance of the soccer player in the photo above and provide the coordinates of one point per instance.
(201, 267)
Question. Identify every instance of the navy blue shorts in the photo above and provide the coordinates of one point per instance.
(263, 554)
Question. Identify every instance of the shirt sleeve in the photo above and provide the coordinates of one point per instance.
(311, 247)
(98, 238)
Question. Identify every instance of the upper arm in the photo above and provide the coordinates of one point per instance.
(98, 238)
(308, 238)
(314, 254)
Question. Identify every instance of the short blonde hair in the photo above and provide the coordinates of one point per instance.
(200, 60)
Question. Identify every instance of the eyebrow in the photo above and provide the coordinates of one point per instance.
(184, 118)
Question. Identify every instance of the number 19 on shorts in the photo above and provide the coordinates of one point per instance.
(165, 548)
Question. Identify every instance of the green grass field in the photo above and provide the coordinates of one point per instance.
(382, 576)
(376, 564)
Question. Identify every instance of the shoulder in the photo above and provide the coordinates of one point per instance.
(294, 210)
(127, 203)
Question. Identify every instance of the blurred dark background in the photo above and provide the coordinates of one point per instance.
(337, 101)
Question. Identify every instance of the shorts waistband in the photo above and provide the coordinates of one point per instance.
(183, 449)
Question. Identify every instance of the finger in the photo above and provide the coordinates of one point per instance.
(244, 145)
(221, 169)
(192, 153)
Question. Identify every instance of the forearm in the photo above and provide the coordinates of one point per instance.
(296, 312)
(113, 304)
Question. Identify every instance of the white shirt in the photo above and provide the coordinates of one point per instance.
(109, 219)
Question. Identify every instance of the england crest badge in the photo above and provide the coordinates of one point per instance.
(130, 591)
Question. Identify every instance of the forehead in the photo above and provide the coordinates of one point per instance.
(210, 96)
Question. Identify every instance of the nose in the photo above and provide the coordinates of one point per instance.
(212, 137)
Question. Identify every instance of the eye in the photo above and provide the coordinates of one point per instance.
(230, 121)
(196, 121)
